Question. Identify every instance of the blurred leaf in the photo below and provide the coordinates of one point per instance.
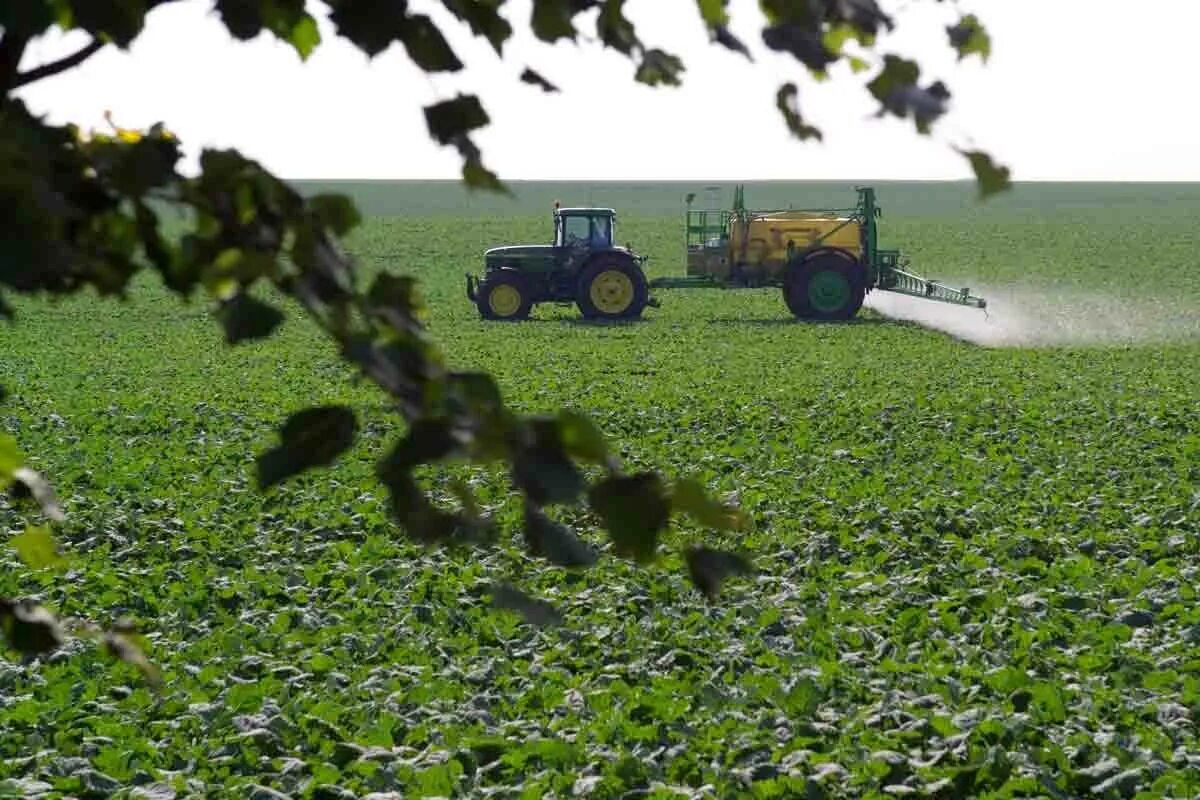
(581, 438)
(426, 46)
(969, 37)
(452, 118)
(311, 438)
(27, 483)
(541, 467)
(372, 25)
(688, 496)
(529, 76)
(554, 541)
(122, 20)
(713, 12)
(659, 68)
(305, 36)
(476, 176)
(722, 36)
(122, 646)
(37, 547)
(803, 42)
(427, 441)
(336, 211)
(484, 18)
(635, 510)
(786, 102)
(10, 460)
(244, 317)
(616, 31)
(551, 20)
(990, 177)
(29, 628)
(709, 568)
(898, 93)
(535, 612)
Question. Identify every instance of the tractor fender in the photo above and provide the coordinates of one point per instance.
(804, 256)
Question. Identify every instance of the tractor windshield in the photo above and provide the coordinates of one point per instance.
(583, 230)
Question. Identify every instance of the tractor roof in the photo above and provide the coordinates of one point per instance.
(587, 211)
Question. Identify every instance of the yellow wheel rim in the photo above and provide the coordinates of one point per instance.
(611, 291)
(504, 300)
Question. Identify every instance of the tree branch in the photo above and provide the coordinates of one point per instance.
(12, 47)
(55, 67)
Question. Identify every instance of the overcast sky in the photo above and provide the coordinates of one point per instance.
(1075, 90)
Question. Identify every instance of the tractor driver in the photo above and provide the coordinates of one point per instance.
(599, 236)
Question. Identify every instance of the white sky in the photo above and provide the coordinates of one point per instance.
(1075, 90)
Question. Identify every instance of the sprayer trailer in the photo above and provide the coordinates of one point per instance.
(823, 260)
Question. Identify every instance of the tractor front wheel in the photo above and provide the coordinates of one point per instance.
(504, 295)
(612, 288)
(829, 286)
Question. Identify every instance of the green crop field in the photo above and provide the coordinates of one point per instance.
(976, 560)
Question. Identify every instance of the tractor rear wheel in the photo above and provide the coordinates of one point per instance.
(504, 295)
(826, 286)
(611, 287)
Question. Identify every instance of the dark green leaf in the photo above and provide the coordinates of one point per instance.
(689, 497)
(534, 611)
(554, 541)
(336, 211)
(29, 628)
(804, 42)
(121, 20)
(581, 438)
(786, 102)
(36, 547)
(659, 68)
(990, 177)
(393, 299)
(311, 438)
(722, 36)
(552, 20)
(709, 568)
(426, 46)
(541, 467)
(898, 93)
(244, 317)
(616, 31)
(451, 119)
(635, 511)
(484, 18)
(372, 25)
(242, 18)
(27, 483)
(529, 76)
(427, 441)
(969, 37)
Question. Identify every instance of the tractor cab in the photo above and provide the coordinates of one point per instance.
(590, 228)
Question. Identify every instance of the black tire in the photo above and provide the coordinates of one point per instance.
(611, 293)
(825, 286)
(504, 280)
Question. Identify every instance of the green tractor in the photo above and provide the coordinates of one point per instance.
(582, 266)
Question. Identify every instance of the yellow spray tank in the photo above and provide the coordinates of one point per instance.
(825, 260)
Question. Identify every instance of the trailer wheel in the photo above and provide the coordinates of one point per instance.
(612, 287)
(504, 295)
(825, 286)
